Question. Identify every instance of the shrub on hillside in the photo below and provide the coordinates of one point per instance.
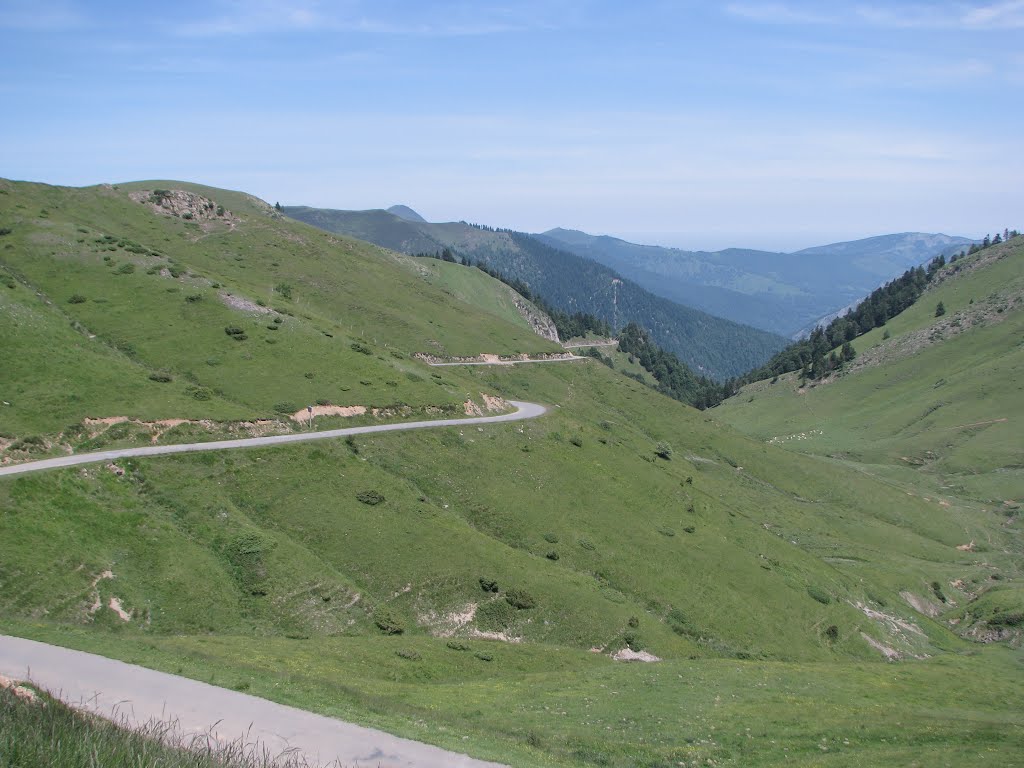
(495, 615)
(125, 269)
(361, 348)
(552, 555)
(162, 378)
(664, 451)
(819, 594)
(387, 622)
(520, 599)
(550, 538)
(77, 298)
(488, 585)
(285, 408)
(408, 653)
(373, 498)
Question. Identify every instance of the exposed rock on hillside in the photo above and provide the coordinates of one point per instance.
(539, 321)
(184, 205)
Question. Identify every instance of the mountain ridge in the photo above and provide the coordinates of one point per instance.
(710, 345)
(778, 291)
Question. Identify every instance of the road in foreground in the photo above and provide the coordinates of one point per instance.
(137, 695)
(523, 411)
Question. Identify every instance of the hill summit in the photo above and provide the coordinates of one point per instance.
(407, 213)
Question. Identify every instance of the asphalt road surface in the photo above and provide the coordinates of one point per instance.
(138, 695)
(523, 411)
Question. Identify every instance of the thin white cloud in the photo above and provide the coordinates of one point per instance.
(778, 13)
(968, 17)
(248, 18)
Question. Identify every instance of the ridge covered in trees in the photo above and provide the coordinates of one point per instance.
(568, 325)
(828, 348)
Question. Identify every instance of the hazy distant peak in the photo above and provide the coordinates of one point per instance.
(569, 235)
(407, 213)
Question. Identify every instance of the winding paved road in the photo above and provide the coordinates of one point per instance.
(136, 694)
(523, 411)
(113, 688)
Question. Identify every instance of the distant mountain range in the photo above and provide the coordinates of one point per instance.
(713, 346)
(785, 293)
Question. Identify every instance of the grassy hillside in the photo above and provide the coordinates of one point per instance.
(932, 405)
(102, 294)
(469, 586)
(571, 283)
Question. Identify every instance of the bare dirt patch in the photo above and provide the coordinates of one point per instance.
(920, 604)
(244, 305)
(22, 692)
(449, 624)
(115, 605)
(628, 654)
(891, 654)
(346, 411)
(481, 635)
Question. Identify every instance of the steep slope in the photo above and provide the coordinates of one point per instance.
(779, 292)
(470, 586)
(712, 346)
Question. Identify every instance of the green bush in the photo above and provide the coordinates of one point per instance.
(552, 555)
(632, 640)
(408, 653)
(819, 594)
(162, 378)
(373, 498)
(192, 298)
(285, 289)
(664, 530)
(832, 633)
(578, 442)
(495, 615)
(455, 645)
(77, 298)
(550, 538)
(361, 348)
(285, 408)
(387, 622)
(664, 451)
(488, 585)
(199, 393)
(937, 590)
(587, 545)
(1013, 619)
(520, 599)
(125, 269)
(483, 656)
(234, 330)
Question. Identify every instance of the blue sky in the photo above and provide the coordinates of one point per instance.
(760, 124)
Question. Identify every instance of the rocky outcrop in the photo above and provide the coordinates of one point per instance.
(539, 321)
(184, 205)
